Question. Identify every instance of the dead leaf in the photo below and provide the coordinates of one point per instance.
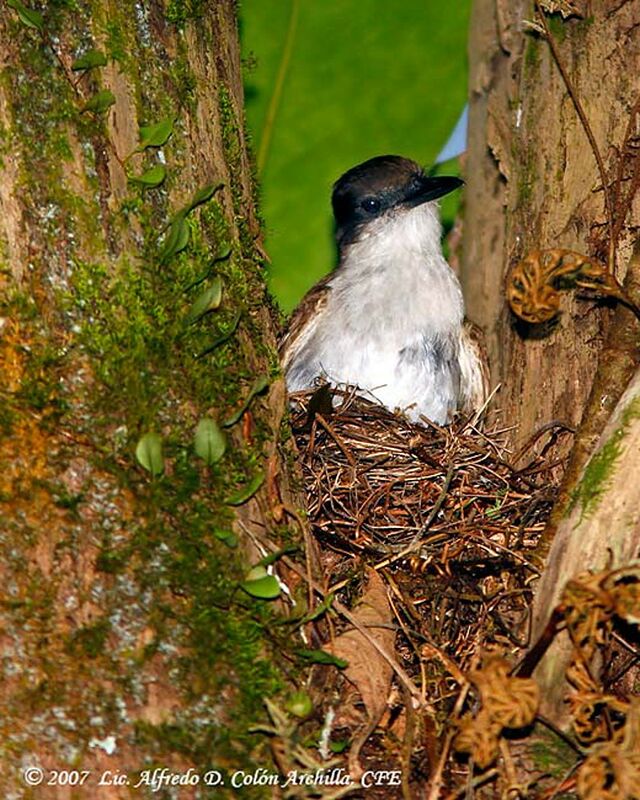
(369, 672)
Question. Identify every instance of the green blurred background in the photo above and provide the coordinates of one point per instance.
(330, 83)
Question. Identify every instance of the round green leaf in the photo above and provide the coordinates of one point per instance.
(209, 300)
(246, 492)
(149, 453)
(257, 572)
(259, 385)
(151, 178)
(27, 16)
(210, 441)
(204, 194)
(224, 337)
(226, 537)
(318, 611)
(176, 239)
(320, 657)
(100, 102)
(300, 704)
(90, 59)
(265, 588)
(155, 135)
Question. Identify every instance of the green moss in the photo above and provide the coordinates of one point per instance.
(118, 359)
(133, 325)
(139, 329)
(44, 107)
(90, 640)
(558, 27)
(8, 417)
(585, 22)
(231, 143)
(599, 470)
(551, 754)
(64, 6)
(115, 41)
(532, 54)
(183, 78)
(179, 12)
(526, 174)
(70, 502)
(225, 637)
(110, 561)
(39, 388)
(525, 154)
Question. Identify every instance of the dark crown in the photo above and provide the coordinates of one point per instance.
(372, 188)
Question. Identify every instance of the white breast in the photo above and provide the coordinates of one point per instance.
(392, 322)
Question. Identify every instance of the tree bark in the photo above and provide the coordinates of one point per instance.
(533, 183)
(126, 641)
(601, 530)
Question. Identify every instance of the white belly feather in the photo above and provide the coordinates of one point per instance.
(391, 324)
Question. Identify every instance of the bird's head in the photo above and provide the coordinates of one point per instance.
(380, 188)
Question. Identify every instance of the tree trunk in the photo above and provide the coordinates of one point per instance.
(533, 183)
(126, 641)
(601, 530)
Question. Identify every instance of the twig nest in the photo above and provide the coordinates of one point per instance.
(427, 536)
(380, 484)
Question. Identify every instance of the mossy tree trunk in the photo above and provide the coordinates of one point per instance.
(533, 183)
(126, 641)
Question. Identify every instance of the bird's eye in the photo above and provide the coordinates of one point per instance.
(370, 204)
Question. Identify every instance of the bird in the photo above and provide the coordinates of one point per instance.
(390, 317)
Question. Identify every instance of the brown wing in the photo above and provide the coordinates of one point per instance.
(308, 309)
(474, 367)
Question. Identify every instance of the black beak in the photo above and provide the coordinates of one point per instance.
(431, 188)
